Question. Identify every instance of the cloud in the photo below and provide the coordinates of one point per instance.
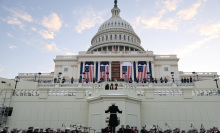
(52, 22)
(188, 14)
(12, 46)
(46, 35)
(51, 47)
(34, 29)
(211, 30)
(10, 35)
(89, 18)
(191, 47)
(157, 23)
(14, 21)
(171, 5)
(69, 53)
(2, 68)
(20, 14)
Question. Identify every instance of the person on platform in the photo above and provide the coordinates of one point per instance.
(93, 80)
(41, 130)
(155, 80)
(55, 80)
(161, 80)
(63, 80)
(67, 130)
(184, 80)
(187, 80)
(128, 130)
(165, 80)
(58, 130)
(190, 79)
(23, 131)
(202, 130)
(137, 80)
(122, 129)
(47, 130)
(30, 130)
(143, 130)
(136, 130)
(216, 130)
(36, 130)
(113, 122)
(181, 80)
(72, 80)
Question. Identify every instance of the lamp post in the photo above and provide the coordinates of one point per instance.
(194, 73)
(148, 77)
(107, 76)
(59, 75)
(216, 78)
(35, 77)
(17, 79)
(83, 76)
(39, 77)
(172, 73)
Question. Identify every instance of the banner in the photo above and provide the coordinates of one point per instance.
(104, 71)
(89, 71)
(126, 71)
(142, 70)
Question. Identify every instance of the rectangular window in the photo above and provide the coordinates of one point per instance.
(115, 37)
(119, 37)
(110, 37)
(106, 38)
(65, 69)
(166, 69)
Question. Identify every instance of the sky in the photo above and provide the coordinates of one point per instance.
(33, 32)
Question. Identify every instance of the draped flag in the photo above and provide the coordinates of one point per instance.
(104, 70)
(142, 70)
(127, 71)
(89, 71)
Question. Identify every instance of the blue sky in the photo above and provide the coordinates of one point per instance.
(33, 32)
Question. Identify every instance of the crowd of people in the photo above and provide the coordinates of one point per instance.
(155, 129)
(122, 129)
(41, 130)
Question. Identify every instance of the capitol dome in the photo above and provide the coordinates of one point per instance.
(115, 34)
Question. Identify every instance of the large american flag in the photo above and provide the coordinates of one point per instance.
(104, 69)
(142, 71)
(89, 72)
(126, 71)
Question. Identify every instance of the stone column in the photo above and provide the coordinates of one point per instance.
(94, 70)
(129, 49)
(107, 48)
(121, 69)
(110, 70)
(83, 69)
(124, 48)
(98, 71)
(79, 63)
(136, 69)
(148, 67)
(132, 63)
(118, 48)
(152, 69)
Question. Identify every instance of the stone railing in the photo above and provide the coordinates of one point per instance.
(168, 92)
(206, 92)
(26, 93)
(35, 74)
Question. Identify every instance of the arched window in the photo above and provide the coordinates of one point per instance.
(115, 37)
(99, 39)
(124, 37)
(119, 37)
(103, 38)
(132, 39)
(122, 24)
(110, 37)
(115, 23)
(128, 38)
(106, 38)
(118, 23)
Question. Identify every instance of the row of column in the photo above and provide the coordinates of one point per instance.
(110, 65)
(118, 48)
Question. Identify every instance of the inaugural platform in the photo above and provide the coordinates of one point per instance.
(149, 89)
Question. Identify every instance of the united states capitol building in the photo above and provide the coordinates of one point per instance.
(148, 88)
